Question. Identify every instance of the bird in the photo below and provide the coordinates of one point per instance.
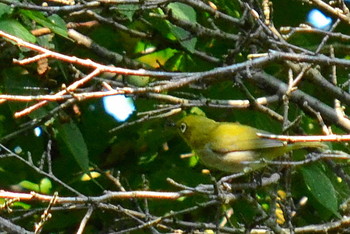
(233, 147)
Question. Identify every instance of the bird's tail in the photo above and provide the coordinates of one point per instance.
(302, 145)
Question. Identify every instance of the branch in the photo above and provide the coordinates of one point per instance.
(330, 138)
(274, 85)
(7, 226)
(109, 195)
(83, 62)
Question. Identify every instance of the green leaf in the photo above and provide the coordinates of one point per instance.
(193, 161)
(321, 188)
(157, 57)
(55, 23)
(128, 10)
(229, 7)
(19, 81)
(183, 11)
(72, 138)
(174, 62)
(5, 9)
(197, 111)
(184, 37)
(22, 205)
(58, 22)
(186, 13)
(15, 28)
(16, 204)
(185, 62)
(29, 185)
(147, 158)
(45, 185)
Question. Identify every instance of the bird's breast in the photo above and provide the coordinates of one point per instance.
(234, 161)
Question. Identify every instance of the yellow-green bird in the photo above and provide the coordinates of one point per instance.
(232, 147)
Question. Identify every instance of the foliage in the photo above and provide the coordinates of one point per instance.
(248, 61)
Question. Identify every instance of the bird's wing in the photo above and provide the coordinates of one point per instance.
(235, 137)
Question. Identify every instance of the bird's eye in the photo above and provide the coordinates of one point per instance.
(183, 127)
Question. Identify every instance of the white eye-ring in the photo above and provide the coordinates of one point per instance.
(183, 127)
